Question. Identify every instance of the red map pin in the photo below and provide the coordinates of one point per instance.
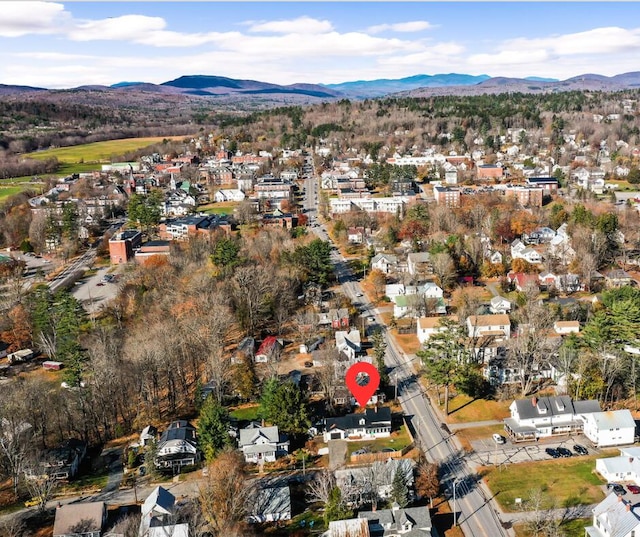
(357, 384)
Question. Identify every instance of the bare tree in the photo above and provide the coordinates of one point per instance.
(13, 526)
(444, 269)
(327, 375)
(320, 487)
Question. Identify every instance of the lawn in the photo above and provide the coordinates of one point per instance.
(7, 191)
(97, 151)
(245, 413)
(464, 409)
(570, 528)
(218, 208)
(565, 482)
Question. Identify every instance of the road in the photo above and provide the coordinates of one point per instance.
(474, 510)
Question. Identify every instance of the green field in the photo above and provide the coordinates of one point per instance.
(6, 191)
(98, 151)
(564, 482)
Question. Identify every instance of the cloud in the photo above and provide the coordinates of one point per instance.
(23, 18)
(301, 25)
(124, 28)
(411, 26)
(510, 57)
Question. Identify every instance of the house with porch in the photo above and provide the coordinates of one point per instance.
(177, 446)
(385, 263)
(372, 423)
(541, 417)
(262, 444)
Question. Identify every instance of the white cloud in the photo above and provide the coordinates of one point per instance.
(301, 25)
(23, 18)
(411, 26)
(124, 28)
(510, 57)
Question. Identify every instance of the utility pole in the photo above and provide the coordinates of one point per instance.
(455, 518)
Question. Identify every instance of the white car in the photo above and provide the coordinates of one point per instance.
(499, 439)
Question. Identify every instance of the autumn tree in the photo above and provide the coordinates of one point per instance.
(223, 495)
(427, 480)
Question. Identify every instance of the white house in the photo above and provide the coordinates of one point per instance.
(615, 517)
(384, 262)
(430, 290)
(499, 305)
(229, 195)
(563, 328)
(262, 444)
(540, 417)
(497, 326)
(373, 423)
(158, 516)
(428, 326)
(348, 343)
(177, 446)
(623, 468)
(612, 428)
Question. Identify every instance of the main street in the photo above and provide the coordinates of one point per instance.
(475, 512)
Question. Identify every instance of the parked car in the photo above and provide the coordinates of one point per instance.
(633, 489)
(618, 489)
(33, 502)
(564, 452)
(499, 439)
(580, 450)
(552, 452)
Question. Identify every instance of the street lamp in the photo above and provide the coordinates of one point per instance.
(455, 519)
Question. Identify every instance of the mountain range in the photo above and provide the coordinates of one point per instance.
(414, 86)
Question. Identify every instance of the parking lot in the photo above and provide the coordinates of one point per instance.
(487, 452)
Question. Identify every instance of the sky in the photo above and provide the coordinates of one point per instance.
(62, 45)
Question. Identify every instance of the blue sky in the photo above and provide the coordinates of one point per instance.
(61, 45)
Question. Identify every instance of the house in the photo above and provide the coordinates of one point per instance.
(499, 305)
(361, 482)
(339, 318)
(177, 446)
(223, 195)
(497, 326)
(419, 263)
(611, 428)
(351, 527)
(356, 235)
(373, 423)
(270, 504)
(246, 350)
(522, 281)
(614, 517)
(560, 246)
(562, 328)
(262, 444)
(617, 278)
(148, 435)
(268, 350)
(80, 520)
(623, 468)
(520, 251)
(384, 262)
(157, 516)
(428, 326)
(540, 417)
(397, 522)
(61, 463)
(541, 235)
(123, 244)
(348, 343)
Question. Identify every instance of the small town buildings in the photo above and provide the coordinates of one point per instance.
(177, 446)
(428, 326)
(372, 423)
(384, 262)
(499, 305)
(563, 328)
(398, 522)
(148, 435)
(268, 350)
(447, 196)
(152, 249)
(348, 343)
(270, 504)
(623, 468)
(262, 444)
(539, 417)
(158, 516)
(123, 245)
(497, 326)
(419, 263)
(359, 483)
(61, 463)
(614, 517)
(339, 318)
(611, 428)
(80, 520)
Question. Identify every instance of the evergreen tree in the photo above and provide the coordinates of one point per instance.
(399, 488)
(213, 426)
(336, 509)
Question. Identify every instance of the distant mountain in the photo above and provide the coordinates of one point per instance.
(540, 79)
(6, 89)
(586, 82)
(126, 84)
(384, 86)
(219, 85)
